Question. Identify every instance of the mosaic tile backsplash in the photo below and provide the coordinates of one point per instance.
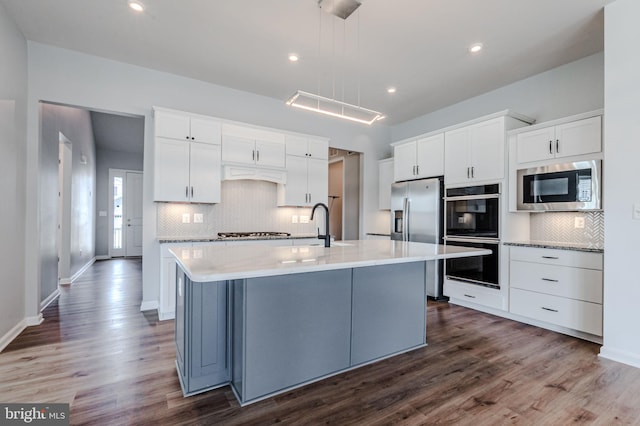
(246, 206)
(559, 227)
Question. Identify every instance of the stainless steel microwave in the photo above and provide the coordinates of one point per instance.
(561, 187)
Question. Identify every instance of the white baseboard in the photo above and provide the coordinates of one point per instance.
(83, 269)
(64, 281)
(166, 315)
(149, 305)
(46, 302)
(12, 334)
(620, 356)
(103, 257)
(31, 321)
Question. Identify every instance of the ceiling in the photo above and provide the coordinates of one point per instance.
(418, 46)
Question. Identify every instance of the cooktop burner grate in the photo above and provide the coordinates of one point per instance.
(252, 234)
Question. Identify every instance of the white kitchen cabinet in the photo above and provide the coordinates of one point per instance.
(558, 287)
(417, 159)
(475, 152)
(563, 140)
(186, 171)
(187, 127)
(385, 179)
(246, 145)
(307, 147)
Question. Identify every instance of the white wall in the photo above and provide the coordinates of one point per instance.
(567, 90)
(68, 77)
(621, 186)
(13, 107)
(105, 160)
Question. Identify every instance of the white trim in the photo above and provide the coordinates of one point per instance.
(83, 269)
(46, 302)
(103, 257)
(31, 321)
(166, 315)
(149, 305)
(12, 334)
(65, 281)
(620, 356)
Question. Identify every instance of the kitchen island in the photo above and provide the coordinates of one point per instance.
(268, 319)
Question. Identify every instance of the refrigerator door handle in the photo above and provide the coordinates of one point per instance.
(407, 222)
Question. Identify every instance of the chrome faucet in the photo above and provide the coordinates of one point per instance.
(326, 237)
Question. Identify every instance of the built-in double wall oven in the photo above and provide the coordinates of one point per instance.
(473, 220)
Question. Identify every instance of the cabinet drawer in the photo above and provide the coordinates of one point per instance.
(473, 293)
(575, 314)
(564, 281)
(574, 258)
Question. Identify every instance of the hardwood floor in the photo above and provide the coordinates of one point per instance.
(115, 365)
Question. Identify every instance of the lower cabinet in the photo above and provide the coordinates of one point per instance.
(559, 287)
(202, 352)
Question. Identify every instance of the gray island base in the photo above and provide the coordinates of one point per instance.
(314, 313)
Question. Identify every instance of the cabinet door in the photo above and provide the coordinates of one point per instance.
(487, 150)
(205, 130)
(294, 193)
(318, 148)
(430, 156)
(205, 173)
(535, 145)
(238, 149)
(270, 153)
(180, 322)
(456, 156)
(172, 125)
(296, 145)
(171, 170)
(385, 179)
(579, 137)
(404, 161)
(317, 181)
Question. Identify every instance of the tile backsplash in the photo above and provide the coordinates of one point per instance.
(560, 227)
(246, 206)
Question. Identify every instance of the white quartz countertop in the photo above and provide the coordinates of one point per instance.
(215, 263)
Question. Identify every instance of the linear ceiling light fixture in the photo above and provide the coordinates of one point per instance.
(328, 106)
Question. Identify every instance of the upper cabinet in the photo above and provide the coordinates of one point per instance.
(419, 158)
(562, 140)
(183, 126)
(251, 146)
(186, 165)
(307, 172)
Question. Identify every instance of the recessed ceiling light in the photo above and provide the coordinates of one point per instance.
(476, 47)
(136, 5)
(293, 57)
(391, 90)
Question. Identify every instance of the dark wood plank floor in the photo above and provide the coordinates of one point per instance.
(115, 365)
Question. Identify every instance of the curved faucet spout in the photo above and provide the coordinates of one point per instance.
(327, 236)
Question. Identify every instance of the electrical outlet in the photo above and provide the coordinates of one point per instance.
(186, 218)
(578, 222)
(294, 218)
(198, 218)
(304, 219)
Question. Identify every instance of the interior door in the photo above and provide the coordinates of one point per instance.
(133, 208)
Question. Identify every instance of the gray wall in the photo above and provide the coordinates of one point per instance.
(75, 124)
(105, 160)
(13, 120)
(621, 187)
(567, 90)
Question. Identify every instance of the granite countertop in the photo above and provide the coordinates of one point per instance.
(163, 239)
(214, 263)
(557, 245)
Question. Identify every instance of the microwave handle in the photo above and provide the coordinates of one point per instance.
(407, 222)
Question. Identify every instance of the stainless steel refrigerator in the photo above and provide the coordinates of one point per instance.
(417, 215)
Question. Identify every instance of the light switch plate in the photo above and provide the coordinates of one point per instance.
(304, 219)
(636, 211)
(294, 218)
(198, 218)
(578, 222)
(186, 218)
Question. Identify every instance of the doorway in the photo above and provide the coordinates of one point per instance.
(65, 151)
(344, 193)
(125, 213)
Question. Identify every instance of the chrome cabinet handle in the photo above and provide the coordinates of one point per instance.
(473, 171)
(550, 257)
(549, 280)
(186, 191)
(549, 309)
(550, 147)
(192, 192)
(469, 296)
(417, 170)
(258, 155)
(309, 197)
(557, 146)
(468, 174)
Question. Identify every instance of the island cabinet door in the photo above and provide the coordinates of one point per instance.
(297, 328)
(389, 310)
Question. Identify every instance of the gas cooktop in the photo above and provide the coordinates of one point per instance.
(252, 234)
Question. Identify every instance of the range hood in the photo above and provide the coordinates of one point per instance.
(233, 172)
